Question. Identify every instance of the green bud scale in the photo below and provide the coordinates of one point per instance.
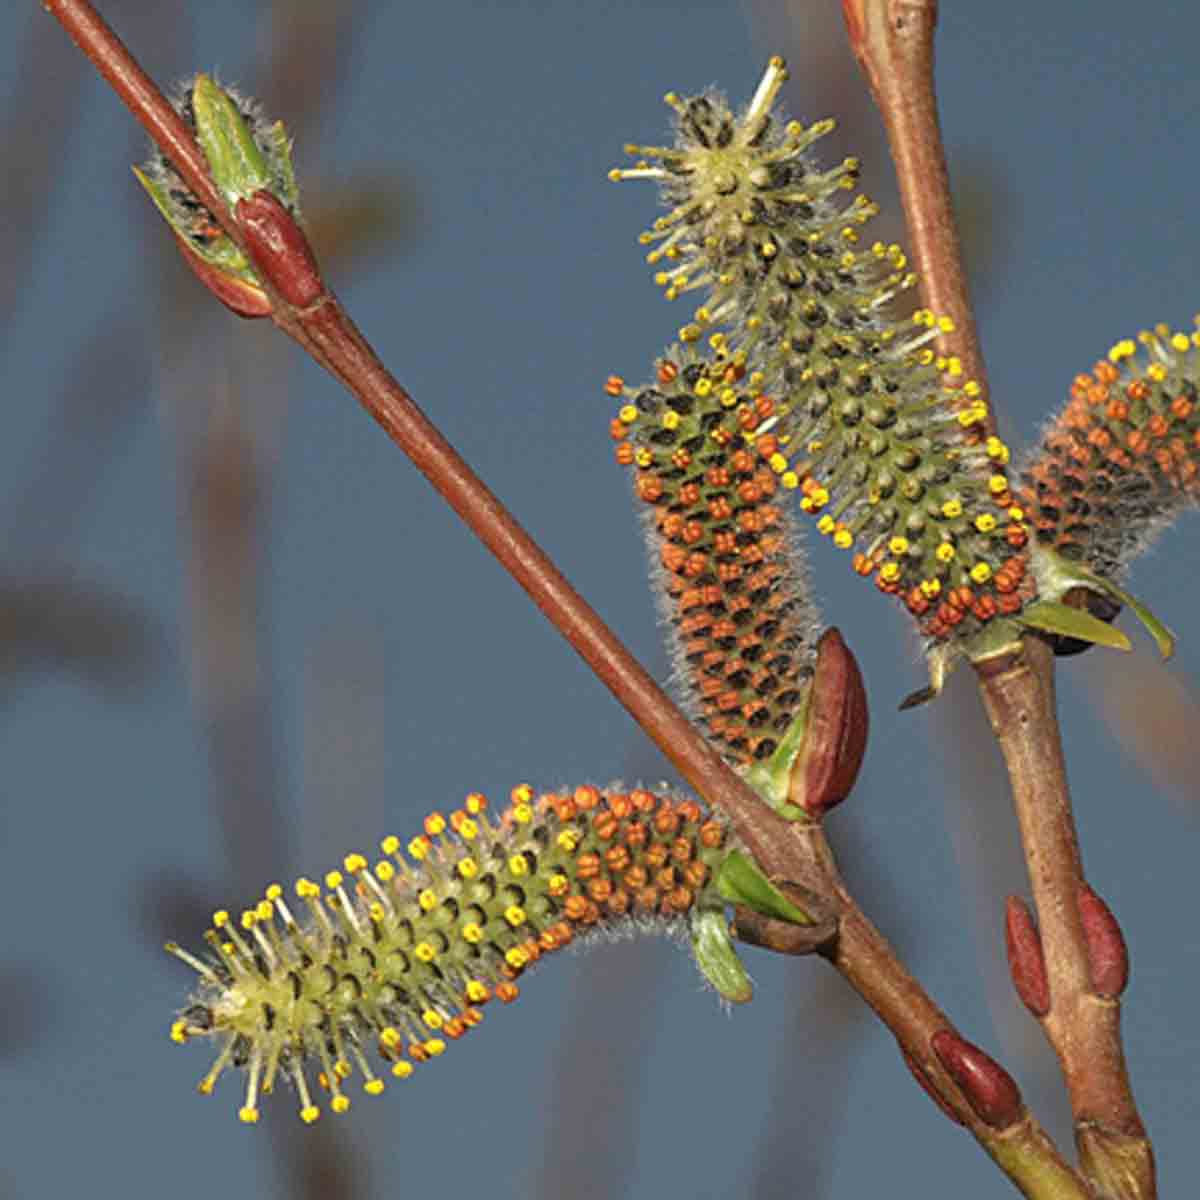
(392, 961)
(882, 438)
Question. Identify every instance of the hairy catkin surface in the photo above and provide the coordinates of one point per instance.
(881, 437)
(390, 962)
(1122, 459)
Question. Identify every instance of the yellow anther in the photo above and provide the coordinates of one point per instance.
(945, 324)
(514, 914)
(179, 1031)
(516, 957)
(1157, 372)
(306, 889)
(472, 933)
(981, 572)
(376, 911)
(843, 539)
(434, 1047)
(997, 485)
(433, 1019)
(1180, 342)
(971, 388)
(703, 388)
(248, 1115)
(389, 1037)
(670, 419)
(558, 885)
(777, 462)
(274, 892)
(643, 457)
(1016, 513)
(427, 899)
(931, 587)
(898, 545)
(567, 840)
(309, 1113)
(522, 813)
(373, 1087)
(476, 991)
(402, 1070)
(468, 868)
(220, 918)
(418, 848)
(354, 863)
(340, 1104)
(627, 413)
(425, 952)
(475, 803)
(945, 552)
(889, 572)
(264, 910)
(826, 524)
(952, 509)
(790, 480)
(390, 844)
(518, 864)
(385, 872)
(435, 823)
(985, 522)
(333, 879)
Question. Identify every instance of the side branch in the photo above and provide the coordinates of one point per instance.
(893, 42)
(1083, 955)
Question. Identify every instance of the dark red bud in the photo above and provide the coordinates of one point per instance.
(1026, 962)
(1108, 957)
(279, 249)
(918, 1073)
(986, 1086)
(236, 294)
(836, 737)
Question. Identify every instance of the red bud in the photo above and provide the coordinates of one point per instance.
(1026, 962)
(836, 737)
(918, 1073)
(1108, 957)
(986, 1086)
(279, 249)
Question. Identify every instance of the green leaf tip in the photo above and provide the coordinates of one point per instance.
(712, 946)
(740, 881)
(1049, 616)
(239, 168)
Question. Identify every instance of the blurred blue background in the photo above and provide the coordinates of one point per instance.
(241, 636)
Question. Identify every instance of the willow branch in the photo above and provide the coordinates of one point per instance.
(893, 42)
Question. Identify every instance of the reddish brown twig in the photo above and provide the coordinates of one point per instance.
(893, 41)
